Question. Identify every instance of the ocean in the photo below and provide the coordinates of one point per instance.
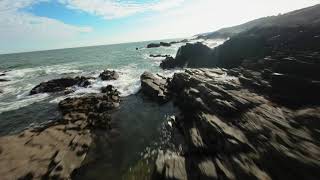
(141, 126)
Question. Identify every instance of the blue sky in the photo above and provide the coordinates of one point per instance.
(28, 25)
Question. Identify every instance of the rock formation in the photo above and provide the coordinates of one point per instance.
(55, 151)
(158, 55)
(235, 131)
(155, 87)
(190, 55)
(155, 45)
(109, 75)
(62, 84)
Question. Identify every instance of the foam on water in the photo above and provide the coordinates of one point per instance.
(9, 106)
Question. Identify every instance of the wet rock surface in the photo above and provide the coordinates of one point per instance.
(154, 87)
(235, 128)
(109, 75)
(56, 150)
(62, 84)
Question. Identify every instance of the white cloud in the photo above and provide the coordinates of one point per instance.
(22, 31)
(110, 9)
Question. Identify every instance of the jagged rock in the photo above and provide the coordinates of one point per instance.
(57, 85)
(234, 133)
(90, 103)
(55, 151)
(154, 87)
(190, 55)
(168, 63)
(109, 75)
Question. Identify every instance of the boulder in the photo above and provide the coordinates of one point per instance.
(168, 63)
(62, 84)
(109, 75)
(154, 87)
(190, 55)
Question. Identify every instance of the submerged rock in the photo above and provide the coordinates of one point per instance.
(158, 55)
(4, 80)
(109, 75)
(154, 87)
(62, 84)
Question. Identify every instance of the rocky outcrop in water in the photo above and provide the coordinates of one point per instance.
(236, 129)
(62, 84)
(190, 55)
(55, 151)
(4, 80)
(109, 75)
(158, 55)
(155, 45)
(155, 87)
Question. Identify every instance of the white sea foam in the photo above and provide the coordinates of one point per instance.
(9, 106)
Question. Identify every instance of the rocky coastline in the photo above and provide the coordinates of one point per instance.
(249, 109)
(56, 149)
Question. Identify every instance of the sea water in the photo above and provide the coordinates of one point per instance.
(140, 127)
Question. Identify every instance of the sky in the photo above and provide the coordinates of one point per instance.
(30, 25)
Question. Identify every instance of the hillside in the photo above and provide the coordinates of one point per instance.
(303, 17)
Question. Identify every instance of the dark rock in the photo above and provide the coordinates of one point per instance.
(168, 63)
(155, 45)
(165, 44)
(57, 85)
(158, 55)
(234, 133)
(190, 55)
(154, 87)
(99, 120)
(297, 68)
(2, 74)
(4, 80)
(109, 75)
(293, 89)
(92, 103)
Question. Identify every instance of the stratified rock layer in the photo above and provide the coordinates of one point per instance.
(155, 87)
(55, 151)
(235, 129)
